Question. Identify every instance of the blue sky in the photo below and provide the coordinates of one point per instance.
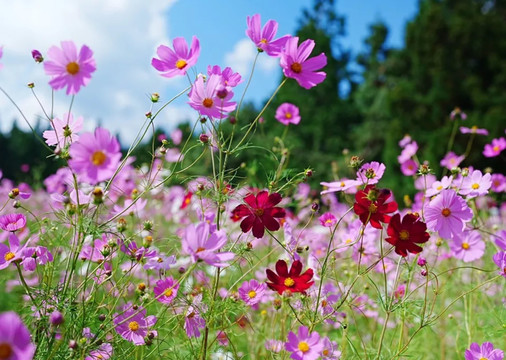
(124, 35)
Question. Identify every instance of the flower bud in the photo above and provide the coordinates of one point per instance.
(423, 272)
(121, 225)
(37, 56)
(232, 119)
(101, 317)
(73, 344)
(203, 120)
(204, 138)
(148, 225)
(155, 97)
(355, 162)
(465, 172)
(315, 207)
(424, 169)
(421, 261)
(56, 318)
(31, 85)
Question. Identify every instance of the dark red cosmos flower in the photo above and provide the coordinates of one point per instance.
(371, 206)
(292, 280)
(260, 212)
(406, 234)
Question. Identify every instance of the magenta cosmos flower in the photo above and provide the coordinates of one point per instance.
(476, 184)
(210, 98)
(263, 38)
(69, 68)
(166, 290)
(447, 214)
(178, 61)
(15, 342)
(473, 130)
(133, 325)
(468, 247)
(327, 219)
(451, 160)
(296, 65)
(495, 148)
(64, 131)
(251, 292)
(371, 173)
(304, 346)
(201, 244)
(95, 157)
(500, 261)
(287, 114)
(485, 351)
(12, 222)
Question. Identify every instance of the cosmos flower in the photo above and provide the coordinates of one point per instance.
(485, 351)
(64, 131)
(304, 346)
(500, 261)
(371, 173)
(292, 280)
(264, 38)
(371, 206)
(473, 130)
(495, 148)
(178, 61)
(251, 292)
(406, 234)
(327, 219)
(15, 341)
(296, 65)
(260, 213)
(95, 157)
(69, 68)
(11, 253)
(210, 98)
(166, 290)
(12, 222)
(468, 247)
(287, 114)
(475, 184)
(451, 160)
(133, 325)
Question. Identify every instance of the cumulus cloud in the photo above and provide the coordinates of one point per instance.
(243, 54)
(123, 35)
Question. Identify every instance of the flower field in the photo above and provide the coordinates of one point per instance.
(109, 260)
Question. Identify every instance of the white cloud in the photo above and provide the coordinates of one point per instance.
(123, 35)
(242, 56)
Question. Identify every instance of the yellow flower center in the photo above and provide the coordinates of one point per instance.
(98, 158)
(289, 282)
(404, 235)
(181, 64)
(73, 68)
(15, 191)
(465, 246)
(324, 303)
(373, 208)
(200, 249)
(475, 186)
(342, 184)
(303, 346)
(440, 187)
(328, 221)
(482, 358)
(208, 102)
(446, 212)
(5, 351)
(288, 115)
(348, 241)
(496, 148)
(296, 67)
(9, 256)
(263, 41)
(133, 325)
(252, 294)
(325, 352)
(168, 292)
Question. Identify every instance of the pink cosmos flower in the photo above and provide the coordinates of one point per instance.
(371, 173)
(409, 167)
(263, 38)
(458, 113)
(95, 157)
(447, 214)
(330, 351)
(296, 65)
(15, 340)
(475, 184)
(103, 352)
(229, 78)
(473, 130)
(12, 222)
(304, 346)
(273, 345)
(166, 290)
(341, 185)
(498, 182)
(468, 247)
(193, 322)
(287, 114)
(178, 61)
(408, 152)
(35, 255)
(327, 219)
(97, 252)
(495, 148)
(405, 141)
(500, 261)
(485, 351)
(452, 160)
(438, 186)
(133, 325)
(251, 292)
(211, 98)
(160, 262)
(68, 68)
(201, 244)
(64, 131)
